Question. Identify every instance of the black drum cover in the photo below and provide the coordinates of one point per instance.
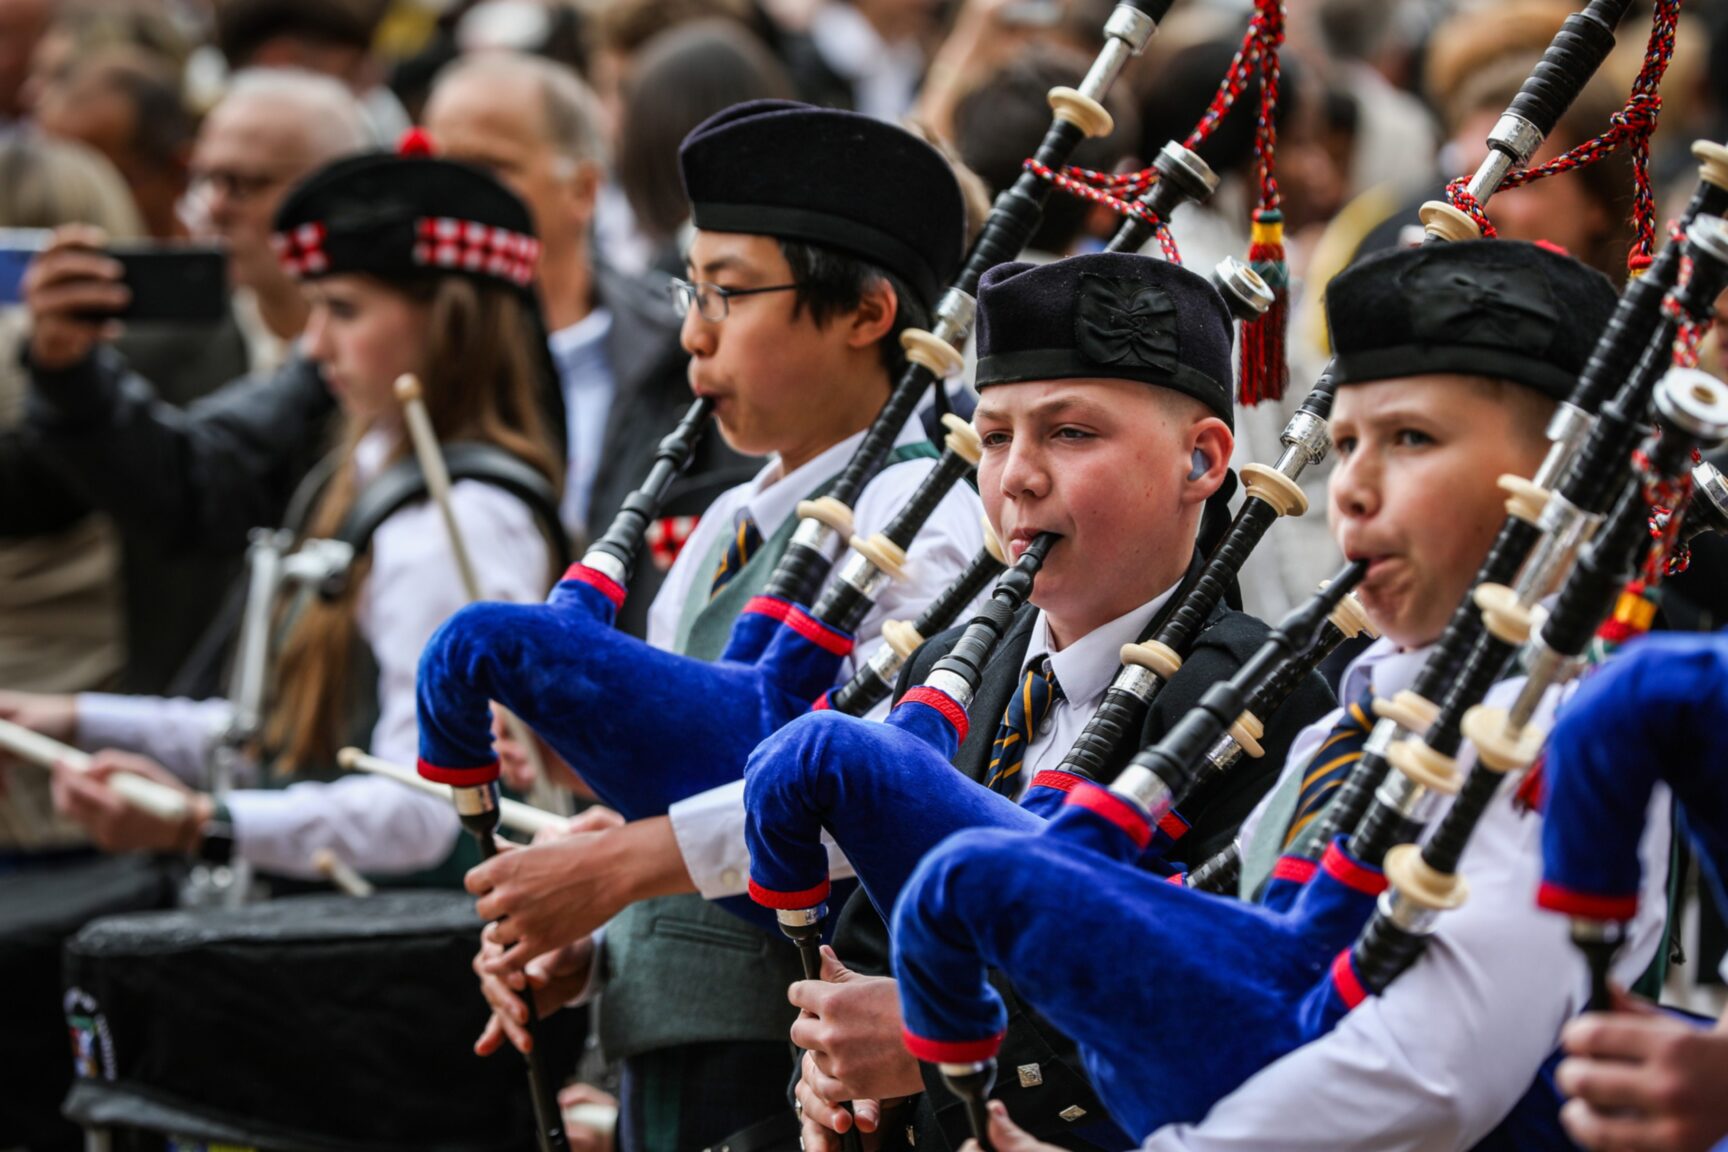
(316, 1023)
(39, 910)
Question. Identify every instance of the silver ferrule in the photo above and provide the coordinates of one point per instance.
(800, 917)
(817, 536)
(1494, 169)
(862, 576)
(1132, 26)
(1112, 58)
(1708, 485)
(1709, 235)
(1380, 737)
(1142, 787)
(1242, 288)
(1568, 428)
(1516, 137)
(606, 564)
(885, 664)
(951, 684)
(1414, 918)
(1306, 442)
(1223, 754)
(969, 1069)
(1587, 930)
(955, 314)
(1142, 682)
(1545, 668)
(1400, 794)
(1695, 402)
(476, 799)
(1564, 528)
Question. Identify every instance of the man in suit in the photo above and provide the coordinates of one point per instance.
(1105, 414)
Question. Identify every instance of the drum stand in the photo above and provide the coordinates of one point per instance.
(321, 565)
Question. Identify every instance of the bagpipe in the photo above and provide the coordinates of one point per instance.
(603, 700)
(1281, 973)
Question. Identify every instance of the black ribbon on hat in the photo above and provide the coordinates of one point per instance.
(1126, 323)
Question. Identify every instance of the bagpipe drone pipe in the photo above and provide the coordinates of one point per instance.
(1270, 977)
(607, 702)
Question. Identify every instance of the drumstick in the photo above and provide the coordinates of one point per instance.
(334, 869)
(425, 440)
(44, 751)
(512, 814)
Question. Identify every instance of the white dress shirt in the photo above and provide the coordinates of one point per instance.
(710, 827)
(372, 824)
(1436, 1062)
(585, 374)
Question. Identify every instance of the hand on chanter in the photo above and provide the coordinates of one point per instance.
(556, 977)
(116, 824)
(1642, 1079)
(851, 1028)
(561, 888)
(1007, 1136)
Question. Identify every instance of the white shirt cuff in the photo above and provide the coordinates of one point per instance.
(709, 828)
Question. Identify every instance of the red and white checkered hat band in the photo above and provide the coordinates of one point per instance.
(301, 251)
(445, 242)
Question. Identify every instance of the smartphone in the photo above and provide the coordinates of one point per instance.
(181, 282)
(18, 246)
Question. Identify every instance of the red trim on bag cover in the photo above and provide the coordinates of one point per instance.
(595, 578)
(1352, 874)
(1180, 879)
(943, 703)
(1114, 809)
(951, 1051)
(1059, 780)
(1295, 869)
(789, 901)
(1344, 979)
(801, 622)
(1172, 825)
(458, 777)
(822, 704)
(1557, 898)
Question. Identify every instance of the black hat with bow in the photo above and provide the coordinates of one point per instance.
(1504, 309)
(1106, 315)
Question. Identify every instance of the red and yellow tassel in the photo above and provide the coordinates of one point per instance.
(1264, 371)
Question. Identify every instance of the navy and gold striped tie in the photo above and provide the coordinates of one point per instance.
(1328, 767)
(746, 538)
(1022, 719)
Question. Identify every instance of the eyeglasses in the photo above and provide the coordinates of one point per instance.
(712, 302)
(235, 186)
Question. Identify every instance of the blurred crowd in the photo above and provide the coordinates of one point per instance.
(173, 121)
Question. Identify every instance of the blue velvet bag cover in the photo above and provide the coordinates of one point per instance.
(1057, 912)
(645, 727)
(1655, 714)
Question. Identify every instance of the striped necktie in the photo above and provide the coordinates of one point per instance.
(746, 538)
(1328, 767)
(1022, 719)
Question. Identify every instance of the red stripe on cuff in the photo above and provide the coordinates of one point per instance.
(952, 1051)
(1059, 780)
(1295, 869)
(789, 901)
(1557, 898)
(593, 577)
(943, 703)
(458, 777)
(1344, 979)
(1113, 808)
(1352, 874)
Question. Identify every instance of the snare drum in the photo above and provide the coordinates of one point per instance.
(316, 1022)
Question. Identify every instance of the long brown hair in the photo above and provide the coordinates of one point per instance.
(480, 379)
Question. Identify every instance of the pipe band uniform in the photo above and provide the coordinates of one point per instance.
(1137, 351)
(1272, 969)
(414, 265)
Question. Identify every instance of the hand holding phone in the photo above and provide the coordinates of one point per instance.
(72, 290)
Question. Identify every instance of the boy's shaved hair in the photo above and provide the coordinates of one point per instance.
(1528, 410)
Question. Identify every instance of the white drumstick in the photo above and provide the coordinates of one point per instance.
(425, 440)
(512, 814)
(44, 751)
(333, 868)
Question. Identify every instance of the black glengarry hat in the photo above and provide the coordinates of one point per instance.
(1499, 308)
(396, 217)
(1108, 314)
(796, 172)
